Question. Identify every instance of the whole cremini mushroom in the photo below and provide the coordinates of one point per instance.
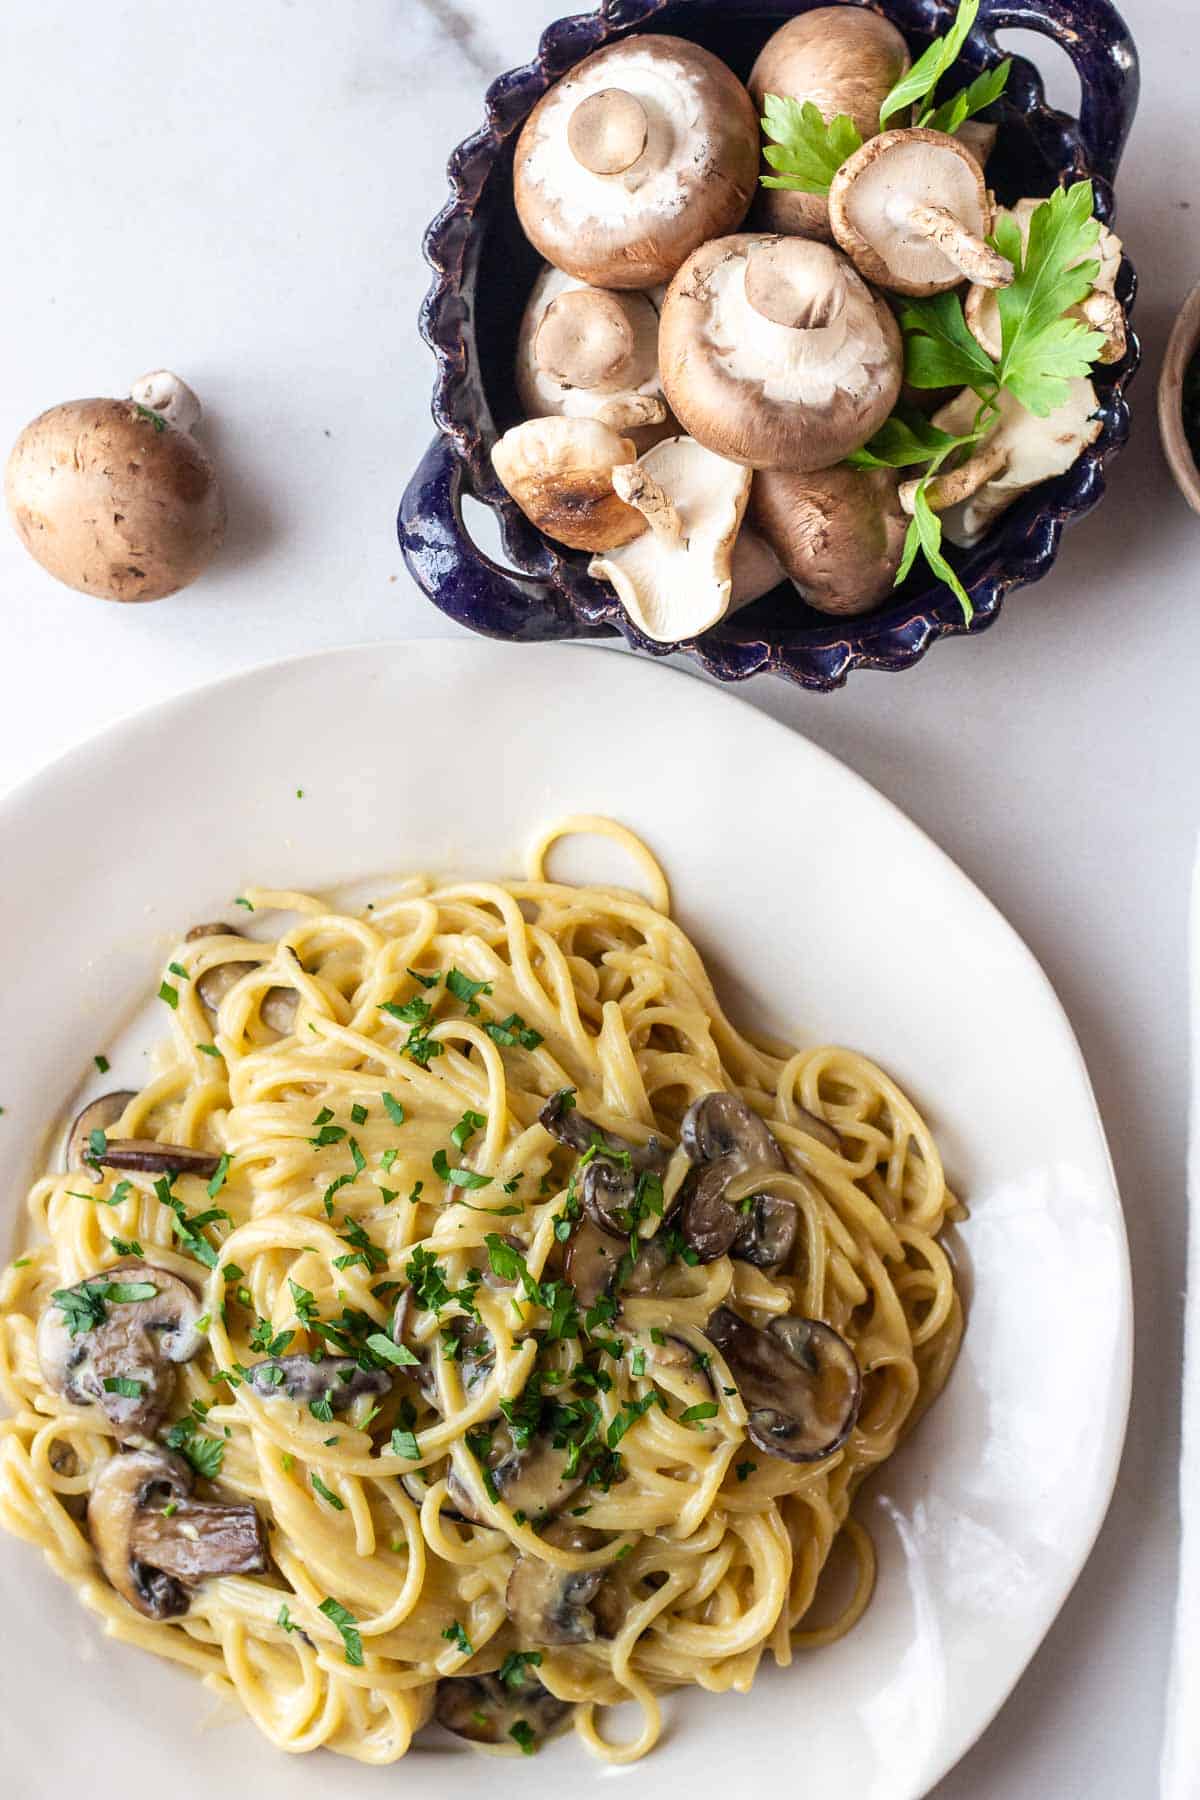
(774, 353)
(560, 473)
(639, 154)
(591, 353)
(839, 533)
(911, 209)
(846, 61)
(1100, 310)
(116, 497)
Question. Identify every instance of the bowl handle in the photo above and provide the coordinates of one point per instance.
(455, 574)
(1096, 38)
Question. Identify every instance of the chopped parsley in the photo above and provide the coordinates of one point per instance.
(126, 1246)
(102, 1063)
(464, 989)
(393, 1109)
(454, 1634)
(208, 1050)
(178, 969)
(404, 1443)
(220, 1176)
(389, 1352)
(426, 981)
(84, 1307)
(467, 1126)
(707, 1409)
(283, 1618)
(412, 1012)
(522, 1733)
(241, 901)
(332, 1499)
(745, 1469)
(512, 1670)
(347, 1625)
(125, 1385)
(463, 1178)
(358, 1114)
(205, 1452)
(514, 1030)
(169, 994)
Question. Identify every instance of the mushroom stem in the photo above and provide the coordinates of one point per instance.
(795, 283)
(585, 340)
(968, 253)
(959, 484)
(164, 393)
(638, 488)
(1104, 313)
(607, 131)
(628, 412)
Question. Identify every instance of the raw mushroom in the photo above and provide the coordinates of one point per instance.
(592, 353)
(773, 352)
(136, 1341)
(911, 209)
(798, 1379)
(337, 1379)
(979, 137)
(549, 1605)
(844, 59)
(154, 1557)
(726, 1140)
(1100, 311)
(485, 1709)
(116, 498)
(839, 533)
(97, 1115)
(560, 473)
(1020, 451)
(277, 1008)
(756, 569)
(640, 153)
(676, 579)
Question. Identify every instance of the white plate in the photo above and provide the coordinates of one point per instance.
(827, 916)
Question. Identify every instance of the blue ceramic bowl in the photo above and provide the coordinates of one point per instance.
(484, 269)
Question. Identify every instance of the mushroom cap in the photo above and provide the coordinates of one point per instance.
(982, 308)
(845, 60)
(838, 532)
(874, 191)
(772, 395)
(673, 588)
(549, 1604)
(113, 500)
(798, 1379)
(1039, 449)
(756, 568)
(693, 179)
(559, 472)
(560, 308)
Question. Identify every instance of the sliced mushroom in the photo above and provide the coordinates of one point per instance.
(532, 1479)
(146, 1156)
(591, 1262)
(97, 1115)
(476, 1354)
(1100, 310)
(559, 472)
(549, 1605)
(798, 1379)
(337, 1379)
(839, 533)
(486, 1709)
(728, 1141)
(153, 1556)
(677, 1367)
(278, 1006)
(564, 1121)
(775, 353)
(134, 1345)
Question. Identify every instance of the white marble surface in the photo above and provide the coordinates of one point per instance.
(237, 191)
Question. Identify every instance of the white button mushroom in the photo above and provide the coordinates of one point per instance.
(1100, 311)
(591, 353)
(115, 497)
(839, 533)
(642, 152)
(676, 579)
(911, 209)
(559, 472)
(1020, 451)
(773, 352)
(844, 59)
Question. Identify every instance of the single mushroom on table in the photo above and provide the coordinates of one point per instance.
(156, 1542)
(838, 533)
(116, 497)
(551, 1606)
(642, 152)
(1019, 452)
(114, 1339)
(799, 1381)
(591, 353)
(912, 211)
(775, 353)
(846, 61)
(277, 1009)
(560, 473)
(1100, 310)
(487, 1710)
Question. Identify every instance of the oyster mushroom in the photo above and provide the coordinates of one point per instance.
(592, 353)
(676, 579)
(154, 1557)
(114, 1339)
(337, 1379)
(116, 498)
(97, 1115)
(912, 211)
(839, 533)
(487, 1710)
(798, 1379)
(640, 153)
(277, 1008)
(774, 352)
(1019, 452)
(549, 1605)
(1100, 310)
(843, 59)
(560, 473)
(726, 1140)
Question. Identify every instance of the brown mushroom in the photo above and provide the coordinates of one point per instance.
(608, 1185)
(146, 1156)
(560, 473)
(278, 1006)
(96, 1116)
(839, 533)
(798, 1379)
(1099, 310)
(639, 154)
(155, 1542)
(587, 352)
(337, 1380)
(488, 1710)
(536, 1479)
(114, 1340)
(549, 1605)
(728, 1141)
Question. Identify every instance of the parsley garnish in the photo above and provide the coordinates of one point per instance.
(126, 1246)
(514, 1030)
(102, 1063)
(745, 1469)
(169, 994)
(394, 1111)
(413, 1012)
(426, 981)
(464, 989)
(467, 1126)
(84, 1307)
(208, 1050)
(512, 1670)
(205, 1452)
(454, 1634)
(333, 1500)
(346, 1624)
(125, 1385)
(358, 1114)
(463, 1178)
(404, 1443)
(220, 1175)
(522, 1733)
(389, 1352)
(283, 1618)
(240, 901)
(707, 1409)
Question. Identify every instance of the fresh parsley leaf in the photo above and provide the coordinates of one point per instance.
(927, 529)
(358, 1114)
(512, 1670)
(205, 1452)
(169, 994)
(919, 84)
(393, 1109)
(178, 969)
(220, 1176)
(467, 1126)
(125, 1385)
(1043, 349)
(126, 1246)
(462, 1178)
(939, 349)
(514, 1030)
(744, 1470)
(332, 1499)
(464, 989)
(904, 440)
(346, 1624)
(426, 981)
(321, 1408)
(412, 1012)
(806, 152)
(102, 1063)
(283, 1618)
(707, 1409)
(522, 1733)
(404, 1443)
(399, 1355)
(208, 1050)
(454, 1634)
(983, 91)
(241, 901)
(155, 419)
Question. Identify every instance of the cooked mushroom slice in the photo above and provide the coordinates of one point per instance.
(532, 1479)
(798, 1379)
(640, 153)
(722, 1125)
(114, 1339)
(591, 353)
(844, 59)
(337, 1379)
(677, 1367)
(609, 1183)
(911, 209)
(155, 1542)
(1100, 310)
(97, 1115)
(564, 1121)
(486, 1709)
(839, 533)
(1019, 451)
(466, 1341)
(278, 1007)
(559, 472)
(775, 353)
(550, 1605)
(146, 1156)
(728, 1140)
(590, 1262)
